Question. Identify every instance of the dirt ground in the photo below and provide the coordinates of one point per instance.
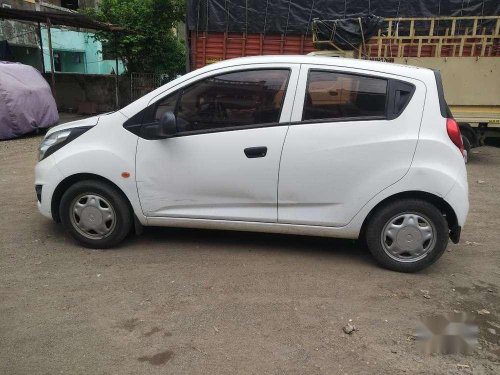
(197, 302)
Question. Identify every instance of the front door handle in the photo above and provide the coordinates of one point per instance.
(256, 152)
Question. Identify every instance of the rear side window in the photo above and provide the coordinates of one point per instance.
(332, 95)
(243, 98)
(400, 94)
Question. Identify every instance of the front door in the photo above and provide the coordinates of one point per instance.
(224, 162)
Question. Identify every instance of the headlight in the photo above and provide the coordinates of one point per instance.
(58, 139)
(51, 140)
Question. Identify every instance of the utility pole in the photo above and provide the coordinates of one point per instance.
(53, 80)
(117, 99)
(41, 46)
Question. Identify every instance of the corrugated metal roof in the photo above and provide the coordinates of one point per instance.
(56, 18)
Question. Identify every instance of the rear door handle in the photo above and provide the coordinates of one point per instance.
(256, 152)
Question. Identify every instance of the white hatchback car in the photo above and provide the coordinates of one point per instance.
(288, 144)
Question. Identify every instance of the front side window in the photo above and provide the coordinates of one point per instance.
(332, 95)
(241, 98)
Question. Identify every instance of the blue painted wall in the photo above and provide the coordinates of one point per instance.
(78, 52)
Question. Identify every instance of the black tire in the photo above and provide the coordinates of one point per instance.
(385, 214)
(122, 216)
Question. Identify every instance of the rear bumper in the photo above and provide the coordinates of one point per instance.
(458, 199)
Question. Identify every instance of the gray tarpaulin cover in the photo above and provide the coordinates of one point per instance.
(26, 101)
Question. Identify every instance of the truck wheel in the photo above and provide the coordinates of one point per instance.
(96, 214)
(407, 235)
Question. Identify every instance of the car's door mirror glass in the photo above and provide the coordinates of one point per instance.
(165, 127)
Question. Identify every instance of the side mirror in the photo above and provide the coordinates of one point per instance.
(168, 125)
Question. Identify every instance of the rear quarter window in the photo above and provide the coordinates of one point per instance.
(400, 94)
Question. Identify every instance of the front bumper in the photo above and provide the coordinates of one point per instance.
(455, 234)
(47, 178)
(38, 191)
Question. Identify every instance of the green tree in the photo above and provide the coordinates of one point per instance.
(149, 42)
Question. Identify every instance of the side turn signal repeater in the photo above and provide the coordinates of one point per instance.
(125, 174)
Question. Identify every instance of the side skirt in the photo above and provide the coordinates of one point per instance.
(305, 230)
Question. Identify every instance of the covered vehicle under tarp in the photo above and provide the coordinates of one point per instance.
(26, 101)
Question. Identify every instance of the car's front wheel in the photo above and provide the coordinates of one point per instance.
(95, 213)
(407, 235)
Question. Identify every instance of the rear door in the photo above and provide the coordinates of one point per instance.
(353, 134)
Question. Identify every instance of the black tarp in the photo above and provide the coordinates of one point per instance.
(295, 16)
(347, 33)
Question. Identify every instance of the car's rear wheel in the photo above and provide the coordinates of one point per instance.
(95, 213)
(407, 235)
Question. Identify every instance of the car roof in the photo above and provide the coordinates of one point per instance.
(378, 66)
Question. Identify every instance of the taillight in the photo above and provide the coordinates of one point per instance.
(454, 134)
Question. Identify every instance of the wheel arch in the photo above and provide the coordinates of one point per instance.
(435, 200)
(71, 180)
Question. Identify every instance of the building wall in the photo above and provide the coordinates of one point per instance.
(88, 3)
(19, 33)
(23, 40)
(71, 4)
(76, 52)
(34, 4)
(19, 4)
(53, 2)
(69, 44)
